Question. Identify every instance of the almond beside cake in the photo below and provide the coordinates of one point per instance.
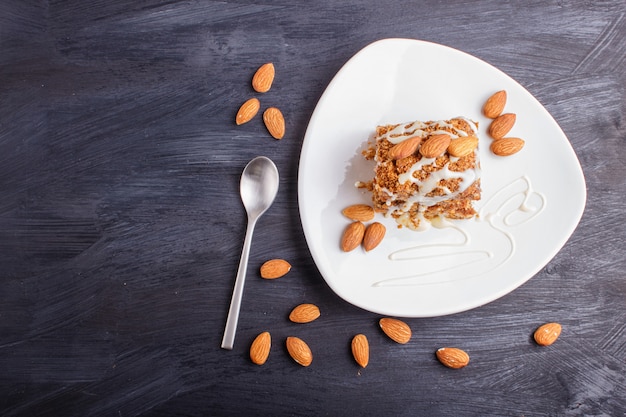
(425, 170)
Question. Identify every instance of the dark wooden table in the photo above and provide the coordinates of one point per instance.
(121, 224)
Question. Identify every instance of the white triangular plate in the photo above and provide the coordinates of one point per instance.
(531, 201)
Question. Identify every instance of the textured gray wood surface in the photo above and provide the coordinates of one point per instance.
(121, 225)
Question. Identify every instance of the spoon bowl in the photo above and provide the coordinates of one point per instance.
(258, 188)
(259, 185)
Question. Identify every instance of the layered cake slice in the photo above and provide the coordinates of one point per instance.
(425, 171)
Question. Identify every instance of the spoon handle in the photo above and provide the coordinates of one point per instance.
(235, 302)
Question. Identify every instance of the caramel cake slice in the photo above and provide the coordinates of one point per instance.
(425, 170)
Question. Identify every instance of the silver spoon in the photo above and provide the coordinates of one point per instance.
(258, 188)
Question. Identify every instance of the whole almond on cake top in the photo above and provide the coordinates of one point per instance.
(405, 148)
(435, 145)
(462, 146)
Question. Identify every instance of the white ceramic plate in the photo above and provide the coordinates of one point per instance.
(531, 202)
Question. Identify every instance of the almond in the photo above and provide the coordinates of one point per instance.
(547, 334)
(263, 78)
(374, 234)
(397, 330)
(507, 146)
(453, 357)
(274, 122)
(435, 145)
(360, 212)
(247, 111)
(361, 350)
(463, 146)
(275, 268)
(495, 104)
(260, 348)
(304, 313)
(299, 351)
(501, 125)
(405, 148)
(352, 236)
